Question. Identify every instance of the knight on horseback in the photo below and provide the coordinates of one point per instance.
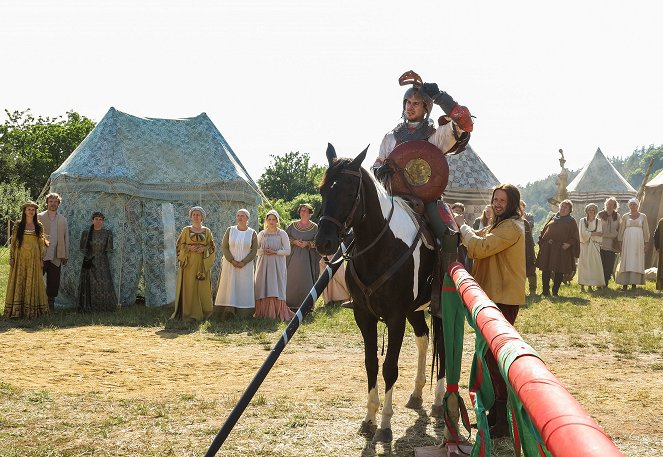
(411, 163)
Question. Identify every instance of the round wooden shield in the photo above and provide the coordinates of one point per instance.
(420, 170)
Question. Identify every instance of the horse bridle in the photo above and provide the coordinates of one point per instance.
(344, 227)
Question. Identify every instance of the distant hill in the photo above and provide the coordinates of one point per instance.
(633, 168)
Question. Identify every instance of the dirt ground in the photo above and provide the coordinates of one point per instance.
(319, 380)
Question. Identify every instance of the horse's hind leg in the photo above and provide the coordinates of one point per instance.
(418, 321)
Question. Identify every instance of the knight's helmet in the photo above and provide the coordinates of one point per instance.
(410, 77)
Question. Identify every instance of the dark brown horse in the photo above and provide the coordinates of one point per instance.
(388, 275)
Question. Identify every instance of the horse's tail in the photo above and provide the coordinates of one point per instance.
(437, 337)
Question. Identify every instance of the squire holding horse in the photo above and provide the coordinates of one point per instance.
(394, 266)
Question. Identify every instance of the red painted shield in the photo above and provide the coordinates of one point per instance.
(420, 170)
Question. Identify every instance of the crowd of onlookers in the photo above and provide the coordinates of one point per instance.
(266, 274)
(589, 247)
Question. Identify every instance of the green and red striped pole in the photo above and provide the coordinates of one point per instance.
(562, 423)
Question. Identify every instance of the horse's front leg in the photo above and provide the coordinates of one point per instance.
(396, 331)
(418, 321)
(368, 325)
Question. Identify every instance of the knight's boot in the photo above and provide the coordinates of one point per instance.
(501, 427)
(51, 304)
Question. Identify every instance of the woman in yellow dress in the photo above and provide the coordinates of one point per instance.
(195, 255)
(26, 292)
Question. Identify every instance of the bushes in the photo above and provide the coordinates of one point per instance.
(12, 195)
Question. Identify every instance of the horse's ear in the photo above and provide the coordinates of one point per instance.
(331, 153)
(356, 163)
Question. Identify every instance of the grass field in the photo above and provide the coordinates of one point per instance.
(134, 383)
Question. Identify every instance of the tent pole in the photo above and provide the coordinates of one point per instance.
(641, 192)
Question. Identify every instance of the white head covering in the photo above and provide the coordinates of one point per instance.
(245, 212)
(198, 208)
(634, 200)
(593, 206)
(275, 213)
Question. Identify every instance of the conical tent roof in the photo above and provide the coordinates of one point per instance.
(154, 158)
(470, 182)
(657, 181)
(601, 179)
(468, 172)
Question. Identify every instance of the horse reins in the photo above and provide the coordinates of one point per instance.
(343, 231)
(345, 226)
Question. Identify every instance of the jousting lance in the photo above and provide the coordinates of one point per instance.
(305, 308)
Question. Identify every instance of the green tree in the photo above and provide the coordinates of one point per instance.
(32, 148)
(12, 195)
(281, 207)
(290, 175)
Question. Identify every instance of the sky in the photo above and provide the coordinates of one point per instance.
(293, 75)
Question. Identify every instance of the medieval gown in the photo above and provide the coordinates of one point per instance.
(96, 291)
(303, 264)
(26, 292)
(271, 276)
(337, 289)
(236, 284)
(632, 233)
(193, 294)
(552, 257)
(590, 267)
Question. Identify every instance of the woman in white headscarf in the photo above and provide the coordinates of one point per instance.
(271, 271)
(590, 268)
(633, 237)
(235, 294)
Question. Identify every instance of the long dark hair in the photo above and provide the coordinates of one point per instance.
(513, 203)
(21, 227)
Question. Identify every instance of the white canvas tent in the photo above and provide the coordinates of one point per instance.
(597, 181)
(652, 206)
(144, 174)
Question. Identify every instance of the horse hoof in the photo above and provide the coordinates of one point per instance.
(383, 435)
(414, 402)
(437, 411)
(367, 429)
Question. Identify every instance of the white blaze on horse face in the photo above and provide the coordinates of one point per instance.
(387, 410)
(372, 406)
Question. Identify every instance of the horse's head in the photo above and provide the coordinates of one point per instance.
(341, 196)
